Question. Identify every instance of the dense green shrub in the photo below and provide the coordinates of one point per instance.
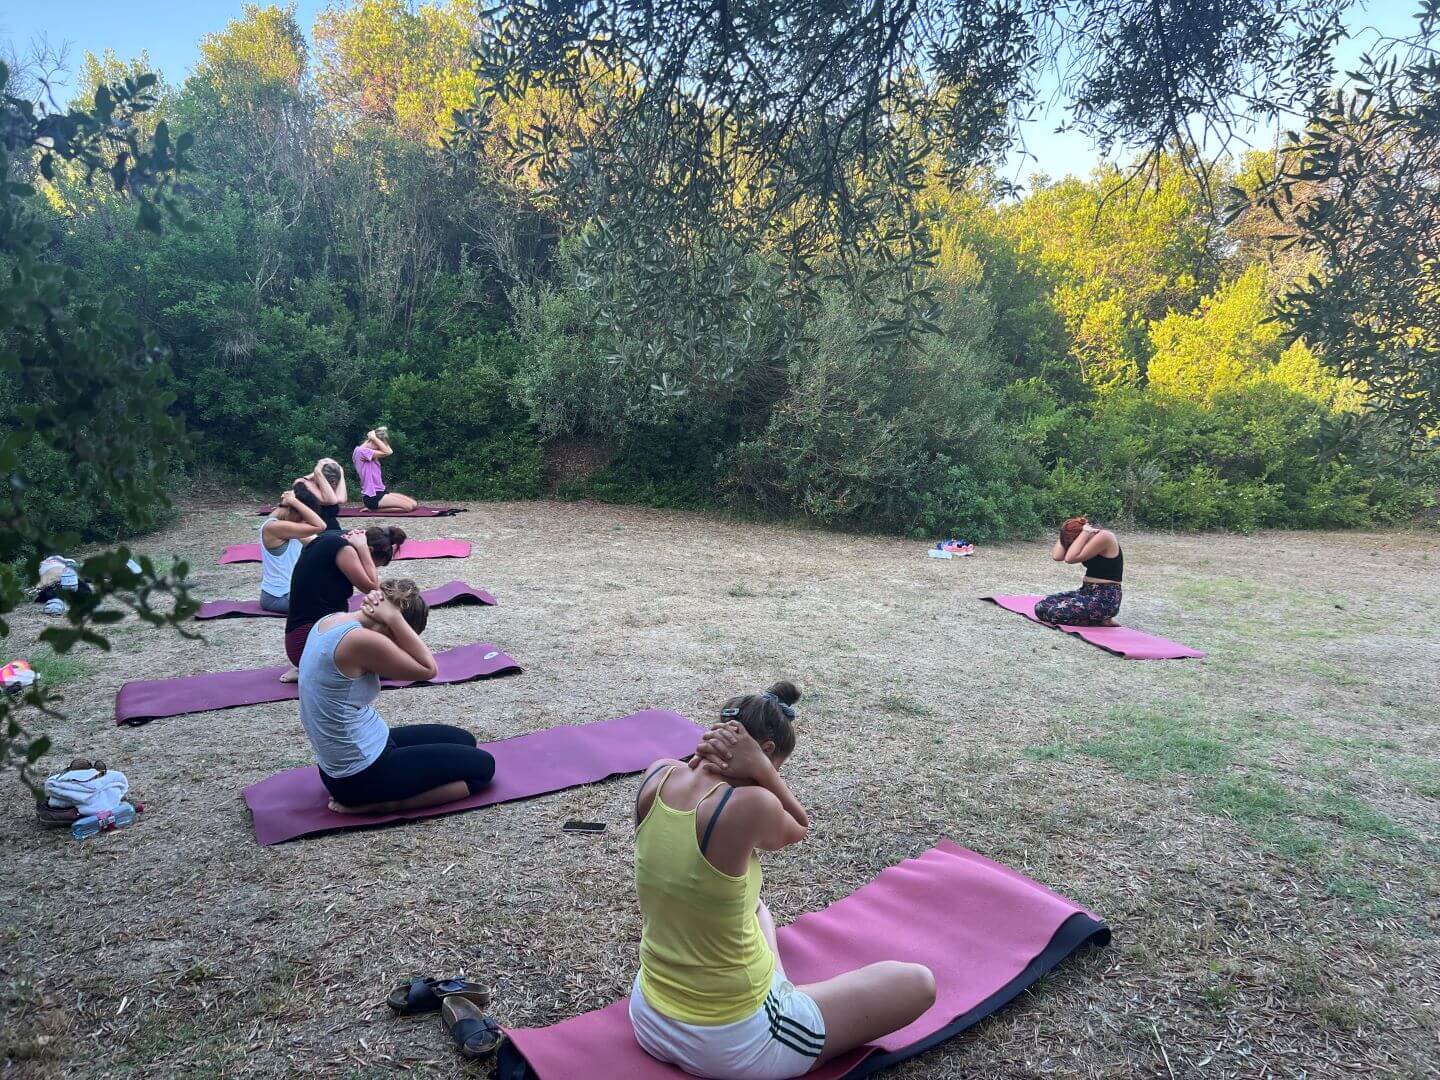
(1251, 458)
(862, 441)
(458, 435)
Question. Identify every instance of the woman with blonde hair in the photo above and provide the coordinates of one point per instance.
(1097, 601)
(367, 767)
(372, 485)
(327, 483)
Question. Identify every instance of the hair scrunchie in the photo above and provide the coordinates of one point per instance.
(788, 710)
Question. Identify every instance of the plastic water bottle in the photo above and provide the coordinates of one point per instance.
(88, 826)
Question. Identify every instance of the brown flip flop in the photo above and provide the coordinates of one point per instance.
(422, 995)
(475, 1034)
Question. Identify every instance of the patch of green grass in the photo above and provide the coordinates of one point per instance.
(1417, 773)
(1358, 816)
(1359, 895)
(1150, 743)
(56, 669)
(904, 704)
(1337, 675)
(1217, 588)
(740, 589)
(1219, 994)
(1052, 751)
(1266, 810)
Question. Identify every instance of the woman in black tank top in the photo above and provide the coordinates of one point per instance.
(1097, 601)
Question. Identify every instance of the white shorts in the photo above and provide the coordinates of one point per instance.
(782, 1039)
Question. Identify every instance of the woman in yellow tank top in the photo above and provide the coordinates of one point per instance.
(711, 995)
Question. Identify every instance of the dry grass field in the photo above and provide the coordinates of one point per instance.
(1261, 828)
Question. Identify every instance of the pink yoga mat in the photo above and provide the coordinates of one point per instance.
(985, 931)
(360, 511)
(410, 549)
(155, 699)
(1120, 640)
(293, 803)
(452, 592)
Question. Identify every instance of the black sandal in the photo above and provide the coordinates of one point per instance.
(421, 995)
(475, 1034)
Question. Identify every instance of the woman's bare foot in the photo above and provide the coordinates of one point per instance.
(293, 675)
(373, 808)
(1109, 622)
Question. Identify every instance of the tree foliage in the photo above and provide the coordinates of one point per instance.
(1359, 191)
(85, 404)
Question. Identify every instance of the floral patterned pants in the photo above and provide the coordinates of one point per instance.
(1090, 605)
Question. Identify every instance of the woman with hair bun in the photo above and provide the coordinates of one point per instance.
(326, 575)
(366, 456)
(1097, 601)
(367, 767)
(711, 995)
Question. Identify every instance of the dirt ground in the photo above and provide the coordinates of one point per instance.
(1261, 828)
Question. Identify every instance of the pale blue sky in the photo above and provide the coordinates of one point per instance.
(171, 29)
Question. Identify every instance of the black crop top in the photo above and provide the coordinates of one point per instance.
(330, 515)
(318, 587)
(1106, 567)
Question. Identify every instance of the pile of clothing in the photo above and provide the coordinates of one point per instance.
(85, 788)
(16, 676)
(949, 549)
(58, 576)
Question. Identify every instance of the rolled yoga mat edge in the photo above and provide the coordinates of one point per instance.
(1122, 641)
(451, 593)
(142, 701)
(292, 804)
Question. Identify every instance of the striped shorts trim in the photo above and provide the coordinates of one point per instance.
(779, 1040)
(788, 1032)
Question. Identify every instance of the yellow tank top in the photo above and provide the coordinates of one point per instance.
(703, 957)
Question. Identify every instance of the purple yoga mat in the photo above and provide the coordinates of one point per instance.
(453, 592)
(985, 931)
(1120, 640)
(410, 549)
(360, 511)
(155, 699)
(293, 803)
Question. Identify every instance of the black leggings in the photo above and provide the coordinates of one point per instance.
(417, 758)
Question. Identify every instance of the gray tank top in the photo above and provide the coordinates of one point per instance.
(338, 712)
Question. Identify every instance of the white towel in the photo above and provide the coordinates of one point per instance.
(88, 791)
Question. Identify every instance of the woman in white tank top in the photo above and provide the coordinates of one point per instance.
(282, 535)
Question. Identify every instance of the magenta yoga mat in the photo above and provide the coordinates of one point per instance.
(155, 699)
(986, 932)
(451, 593)
(1120, 640)
(410, 549)
(293, 803)
(361, 512)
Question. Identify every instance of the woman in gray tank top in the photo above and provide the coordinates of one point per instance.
(367, 767)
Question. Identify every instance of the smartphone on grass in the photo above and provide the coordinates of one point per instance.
(583, 826)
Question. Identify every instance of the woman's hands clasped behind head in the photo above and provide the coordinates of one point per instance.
(732, 752)
(380, 610)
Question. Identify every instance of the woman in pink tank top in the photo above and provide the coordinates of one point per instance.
(372, 485)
